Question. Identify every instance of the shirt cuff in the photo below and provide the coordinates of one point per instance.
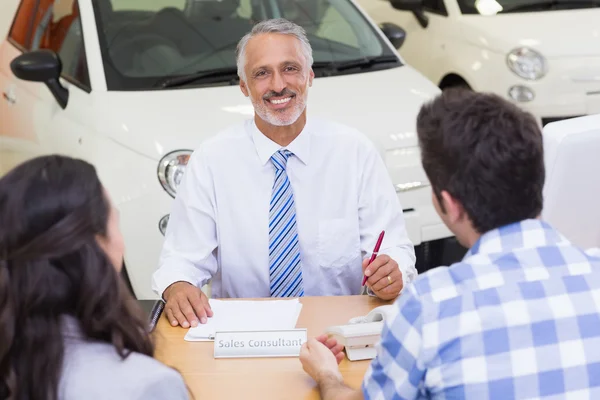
(406, 263)
(168, 275)
(369, 292)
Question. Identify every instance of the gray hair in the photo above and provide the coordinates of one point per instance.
(279, 25)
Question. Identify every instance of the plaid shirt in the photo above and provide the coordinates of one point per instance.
(518, 318)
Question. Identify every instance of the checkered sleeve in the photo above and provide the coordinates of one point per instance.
(398, 371)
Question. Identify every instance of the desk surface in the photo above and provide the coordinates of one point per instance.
(266, 378)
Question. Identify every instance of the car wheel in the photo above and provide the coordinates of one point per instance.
(453, 81)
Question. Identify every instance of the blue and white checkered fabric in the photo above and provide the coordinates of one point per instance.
(518, 318)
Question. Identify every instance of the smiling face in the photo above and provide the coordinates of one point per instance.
(277, 78)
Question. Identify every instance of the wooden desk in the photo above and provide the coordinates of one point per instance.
(262, 378)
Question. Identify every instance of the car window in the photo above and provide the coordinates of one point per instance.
(143, 43)
(151, 5)
(58, 28)
(492, 7)
(20, 30)
(334, 27)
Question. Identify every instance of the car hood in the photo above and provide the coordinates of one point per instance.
(381, 104)
(556, 34)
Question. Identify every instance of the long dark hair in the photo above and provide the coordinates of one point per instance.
(52, 210)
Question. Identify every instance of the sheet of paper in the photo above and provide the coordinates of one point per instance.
(247, 315)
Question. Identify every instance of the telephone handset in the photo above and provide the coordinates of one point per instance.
(361, 334)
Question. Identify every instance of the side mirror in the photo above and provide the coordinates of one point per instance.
(415, 6)
(41, 66)
(407, 5)
(394, 33)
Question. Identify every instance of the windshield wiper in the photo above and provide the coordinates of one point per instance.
(549, 4)
(230, 74)
(363, 63)
(206, 76)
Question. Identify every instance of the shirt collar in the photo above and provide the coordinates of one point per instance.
(265, 147)
(529, 233)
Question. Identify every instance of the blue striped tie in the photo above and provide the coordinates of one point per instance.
(284, 251)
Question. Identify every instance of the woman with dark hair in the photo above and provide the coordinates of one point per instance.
(69, 329)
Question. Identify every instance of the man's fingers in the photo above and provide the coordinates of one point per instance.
(188, 311)
(331, 343)
(170, 317)
(394, 288)
(207, 307)
(179, 316)
(322, 338)
(364, 264)
(310, 343)
(304, 350)
(338, 348)
(339, 357)
(384, 283)
(199, 308)
(384, 290)
(379, 279)
(376, 264)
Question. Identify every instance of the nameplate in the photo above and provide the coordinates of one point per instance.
(285, 343)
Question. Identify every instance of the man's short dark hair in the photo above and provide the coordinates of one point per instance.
(486, 152)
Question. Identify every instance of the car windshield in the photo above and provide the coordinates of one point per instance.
(492, 7)
(149, 44)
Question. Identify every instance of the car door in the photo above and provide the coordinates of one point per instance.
(37, 124)
(18, 141)
(425, 46)
(426, 42)
(8, 9)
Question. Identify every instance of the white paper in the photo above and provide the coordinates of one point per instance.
(247, 315)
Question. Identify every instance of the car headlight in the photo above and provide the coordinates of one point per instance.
(171, 169)
(527, 63)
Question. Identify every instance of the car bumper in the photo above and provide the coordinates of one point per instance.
(571, 88)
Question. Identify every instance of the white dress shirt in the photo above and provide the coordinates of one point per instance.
(344, 198)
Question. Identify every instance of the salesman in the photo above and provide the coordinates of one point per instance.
(281, 205)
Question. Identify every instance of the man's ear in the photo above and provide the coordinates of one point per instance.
(244, 88)
(311, 76)
(454, 209)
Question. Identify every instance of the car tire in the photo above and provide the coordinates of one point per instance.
(454, 81)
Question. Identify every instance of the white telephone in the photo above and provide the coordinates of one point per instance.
(361, 334)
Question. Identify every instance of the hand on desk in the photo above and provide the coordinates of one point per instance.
(384, 277)
(186, 304)
(320, 356)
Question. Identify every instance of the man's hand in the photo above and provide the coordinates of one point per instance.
(186, 305)
(384, 277)
(320, 357)
(332, 344)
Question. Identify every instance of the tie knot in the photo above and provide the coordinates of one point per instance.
(279, 159)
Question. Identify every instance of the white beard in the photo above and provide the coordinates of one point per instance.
(284, 117)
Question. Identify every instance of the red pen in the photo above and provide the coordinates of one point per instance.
(374, 255)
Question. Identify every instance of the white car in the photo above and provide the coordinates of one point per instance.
(133, 86)
(542, 54)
